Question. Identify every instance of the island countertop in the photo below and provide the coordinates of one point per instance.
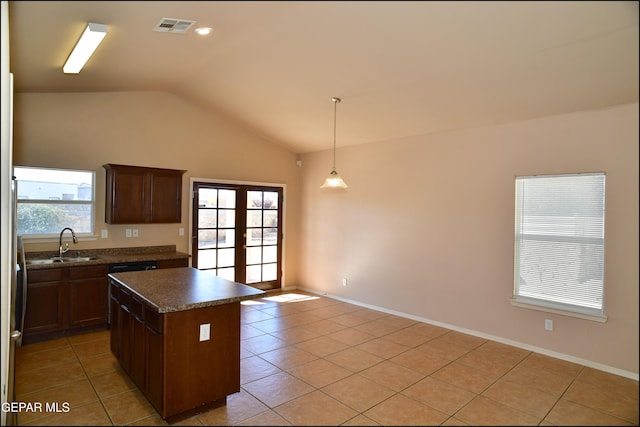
(183, 288)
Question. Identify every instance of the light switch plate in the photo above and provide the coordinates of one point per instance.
(205, 332)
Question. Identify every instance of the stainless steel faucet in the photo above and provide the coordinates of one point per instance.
(66, 249)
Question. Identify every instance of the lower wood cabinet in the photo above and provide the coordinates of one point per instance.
(162, 352)
(64, 299)
(69, 299)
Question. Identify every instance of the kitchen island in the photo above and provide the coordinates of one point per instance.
(176, 332)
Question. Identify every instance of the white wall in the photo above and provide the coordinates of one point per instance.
(426, 228)
(156, 129)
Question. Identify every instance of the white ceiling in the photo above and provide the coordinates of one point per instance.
(401, 68)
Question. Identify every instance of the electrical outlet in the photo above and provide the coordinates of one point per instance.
(344, 281)
(127, 232)
(548, 324)
(205, 332)
(135, 232)
(181, 231)
(105, 233)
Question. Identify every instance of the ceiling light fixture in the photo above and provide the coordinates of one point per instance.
(334, 180)
(203, 31)
(89, 41)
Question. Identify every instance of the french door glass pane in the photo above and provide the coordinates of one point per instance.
(270, 218)
(270, 200)
(254, 255)
(226, 257)
(207, 259)
(227, 199)
(254, 199)
(208, 198)
(254, 218)
(270, 236)
(270, 254)
(254, 273)
(226, 218)
(206, 239)
(226, 238)
(254, 236)
(269, 272)
(207, 218)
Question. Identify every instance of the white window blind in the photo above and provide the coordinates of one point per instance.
(559, 242)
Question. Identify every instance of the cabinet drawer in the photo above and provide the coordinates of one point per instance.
(173, 263)
(153, 319)
(135, 307)
(115, 291)
(88, 271)
(46, 275)
(125, 298)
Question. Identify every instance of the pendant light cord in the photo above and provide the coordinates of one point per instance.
(335, 108)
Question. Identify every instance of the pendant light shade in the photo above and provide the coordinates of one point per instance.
(334, 180)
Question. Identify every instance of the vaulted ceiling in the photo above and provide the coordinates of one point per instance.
(401, 68)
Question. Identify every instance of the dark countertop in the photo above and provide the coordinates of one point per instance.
(108, 256)
(184, 288)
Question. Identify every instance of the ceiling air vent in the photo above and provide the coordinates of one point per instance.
(171, 25)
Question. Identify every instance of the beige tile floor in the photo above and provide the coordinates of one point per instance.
(309, 360)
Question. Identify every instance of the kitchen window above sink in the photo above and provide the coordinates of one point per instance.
(50, 199)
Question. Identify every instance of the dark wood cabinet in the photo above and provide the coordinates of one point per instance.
(65, 299)
(137, 195)
(46, 303)
(87, 296)
(173, 263)
(154, 348)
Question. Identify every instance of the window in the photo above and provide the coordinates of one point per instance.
(559, 242)
(52, 199)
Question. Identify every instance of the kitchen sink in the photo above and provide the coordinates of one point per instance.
(57, 259)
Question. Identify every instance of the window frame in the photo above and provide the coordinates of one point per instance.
(91, 203)
(548, 305)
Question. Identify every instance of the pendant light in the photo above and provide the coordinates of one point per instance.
(334, 180)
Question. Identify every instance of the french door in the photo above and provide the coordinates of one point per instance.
(237, 232)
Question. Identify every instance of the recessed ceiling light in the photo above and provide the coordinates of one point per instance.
(203, 31)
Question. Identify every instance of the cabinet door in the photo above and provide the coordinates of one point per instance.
(46, 302)
(126, 334)
(166, 196)
(154, 363)
(137, 341)
(114, 325)
(125, 197)
(88, 302)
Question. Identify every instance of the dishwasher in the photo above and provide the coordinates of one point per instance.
(120, 267)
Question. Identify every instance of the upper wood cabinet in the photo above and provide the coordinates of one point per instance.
(138, 195)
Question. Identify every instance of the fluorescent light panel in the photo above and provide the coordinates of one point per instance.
(89, 41)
